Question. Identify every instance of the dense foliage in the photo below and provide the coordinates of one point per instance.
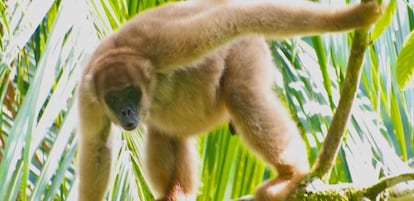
(44, 44)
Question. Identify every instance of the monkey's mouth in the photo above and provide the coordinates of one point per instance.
(130, 126)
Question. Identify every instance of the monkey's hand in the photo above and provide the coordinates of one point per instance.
(369, 12)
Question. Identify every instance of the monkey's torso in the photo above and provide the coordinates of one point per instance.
(191, 100)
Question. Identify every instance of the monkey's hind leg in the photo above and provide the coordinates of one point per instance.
(261, 120)
(265, 126)
(171, 166)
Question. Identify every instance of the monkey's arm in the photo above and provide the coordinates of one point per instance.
(94, 148)
(181, 41)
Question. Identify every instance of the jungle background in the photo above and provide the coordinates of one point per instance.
(45, 43)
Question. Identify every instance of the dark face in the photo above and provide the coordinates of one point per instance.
(124, 104)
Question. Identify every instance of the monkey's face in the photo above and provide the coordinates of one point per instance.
(124, 105)
(124, 88)
(125, 97)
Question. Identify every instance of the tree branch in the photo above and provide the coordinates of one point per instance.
(333, 140)
(316, 189)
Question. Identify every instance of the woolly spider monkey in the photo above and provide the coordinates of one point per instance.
(183, 68)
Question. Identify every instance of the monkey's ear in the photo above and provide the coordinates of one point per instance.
(148, 70)
(87, 84)
(148, 74)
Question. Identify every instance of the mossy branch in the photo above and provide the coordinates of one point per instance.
(314, 189)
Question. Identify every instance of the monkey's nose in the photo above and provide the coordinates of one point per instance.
(127, 112)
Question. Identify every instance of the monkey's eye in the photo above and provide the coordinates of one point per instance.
(133, 93)
(111, 99)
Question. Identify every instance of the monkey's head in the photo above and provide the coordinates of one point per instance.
(123, 84)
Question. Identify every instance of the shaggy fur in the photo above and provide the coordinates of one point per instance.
(197, 64)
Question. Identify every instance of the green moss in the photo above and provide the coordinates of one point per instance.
(340, 193)
(319, 196)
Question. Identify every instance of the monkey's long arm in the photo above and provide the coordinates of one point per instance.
(94, 149)
(181, 40)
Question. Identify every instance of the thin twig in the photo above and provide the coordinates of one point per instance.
(386, 182)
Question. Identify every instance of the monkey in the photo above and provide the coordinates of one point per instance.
(182, 68)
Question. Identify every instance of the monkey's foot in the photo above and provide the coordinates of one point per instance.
(277, 189)
(177, 194)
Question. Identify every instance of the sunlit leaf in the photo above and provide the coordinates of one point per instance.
(384, 20)
(405, 62)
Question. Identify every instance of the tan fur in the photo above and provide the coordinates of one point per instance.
(199, 64)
